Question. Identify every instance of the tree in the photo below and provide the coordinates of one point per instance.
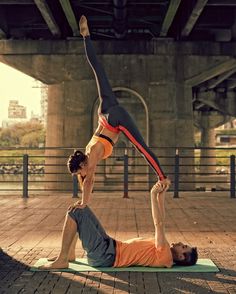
(29, 134)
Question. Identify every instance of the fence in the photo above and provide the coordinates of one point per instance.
(32, 170)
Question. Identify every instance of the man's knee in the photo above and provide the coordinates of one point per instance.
(77, 214)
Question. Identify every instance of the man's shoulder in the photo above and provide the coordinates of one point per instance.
(164, 246)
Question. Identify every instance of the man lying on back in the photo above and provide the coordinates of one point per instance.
(104, 251)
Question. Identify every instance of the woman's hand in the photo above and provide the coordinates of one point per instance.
(157, 188)
(165, 184)
(161, 186)
(77, 204)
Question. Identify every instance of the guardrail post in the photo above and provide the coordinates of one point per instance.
(232, 176)
(75, 186)
(176, 184)
(25, 175)
(126, 174)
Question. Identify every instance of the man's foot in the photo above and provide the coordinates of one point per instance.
(83, 25)
(57, 264)
(71, 258)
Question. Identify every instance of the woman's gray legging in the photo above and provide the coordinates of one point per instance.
(118, 117)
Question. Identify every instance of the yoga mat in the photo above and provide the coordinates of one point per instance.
(81, 265)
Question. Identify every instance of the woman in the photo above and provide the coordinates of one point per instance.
(113, 119)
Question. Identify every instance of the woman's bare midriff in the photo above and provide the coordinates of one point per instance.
(111, 135)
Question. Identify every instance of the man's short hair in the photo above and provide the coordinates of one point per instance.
(190, 258)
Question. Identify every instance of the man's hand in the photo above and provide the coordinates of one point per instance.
(157, 188)
(161, 186)
(77, 204)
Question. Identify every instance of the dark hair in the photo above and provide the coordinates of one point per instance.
(75, 160)
(190, 258)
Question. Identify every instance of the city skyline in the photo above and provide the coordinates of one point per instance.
(15, 85)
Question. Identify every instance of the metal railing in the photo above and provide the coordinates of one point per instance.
(27, 170)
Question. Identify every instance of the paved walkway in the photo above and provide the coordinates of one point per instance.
(31, 229)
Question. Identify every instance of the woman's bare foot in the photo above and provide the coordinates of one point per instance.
(57, 264)
(83, 25)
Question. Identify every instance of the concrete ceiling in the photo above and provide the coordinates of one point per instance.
(178, 20)
(120, 19)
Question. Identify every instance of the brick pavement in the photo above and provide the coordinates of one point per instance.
(31, 229)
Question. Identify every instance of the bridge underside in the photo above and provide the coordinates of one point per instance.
(179, 84)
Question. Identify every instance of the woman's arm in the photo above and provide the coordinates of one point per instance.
(98, 129)
(87, 189)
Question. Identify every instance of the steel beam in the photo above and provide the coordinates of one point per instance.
(169, 17)
(213, 83)
(212, 72)
(231, 85)
(48, 17)
(66, 6)
(196, 12)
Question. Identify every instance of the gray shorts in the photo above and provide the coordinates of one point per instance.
(100, 248)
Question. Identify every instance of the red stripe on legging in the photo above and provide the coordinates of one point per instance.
(105, 124)
(143, 151)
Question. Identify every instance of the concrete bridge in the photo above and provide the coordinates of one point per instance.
(173, 84)
(163, 78)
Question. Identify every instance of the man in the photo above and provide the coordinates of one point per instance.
(104, 251)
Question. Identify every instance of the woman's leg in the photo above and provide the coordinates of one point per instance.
(121, 118)
(106, 95)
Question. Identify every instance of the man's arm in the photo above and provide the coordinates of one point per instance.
(158, 214)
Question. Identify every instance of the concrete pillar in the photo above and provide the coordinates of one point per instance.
(207, 122)
(171, 125)
(208, 156)
(68, 125)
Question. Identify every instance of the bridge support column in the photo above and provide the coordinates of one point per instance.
(171, 124)
(68, 125)
(208, 156)
(207, 122)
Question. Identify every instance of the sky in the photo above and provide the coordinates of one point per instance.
(15, 85)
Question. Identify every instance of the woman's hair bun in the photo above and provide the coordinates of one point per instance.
(78, 153)
(75, 160)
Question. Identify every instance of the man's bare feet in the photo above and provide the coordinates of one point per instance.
(83, 25)
(71, 258)
(57, 264)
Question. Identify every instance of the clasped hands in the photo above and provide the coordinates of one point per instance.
(161, 186)
(77, 204)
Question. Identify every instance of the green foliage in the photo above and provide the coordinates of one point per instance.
(222, 156)
(29, 134)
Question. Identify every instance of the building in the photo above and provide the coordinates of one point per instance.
(43, 101)
(16, 111)
(16, 114)
(226, 134)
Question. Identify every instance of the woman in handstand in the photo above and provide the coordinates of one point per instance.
(113, 119)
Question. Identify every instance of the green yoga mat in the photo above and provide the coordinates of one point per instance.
(81, 265)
